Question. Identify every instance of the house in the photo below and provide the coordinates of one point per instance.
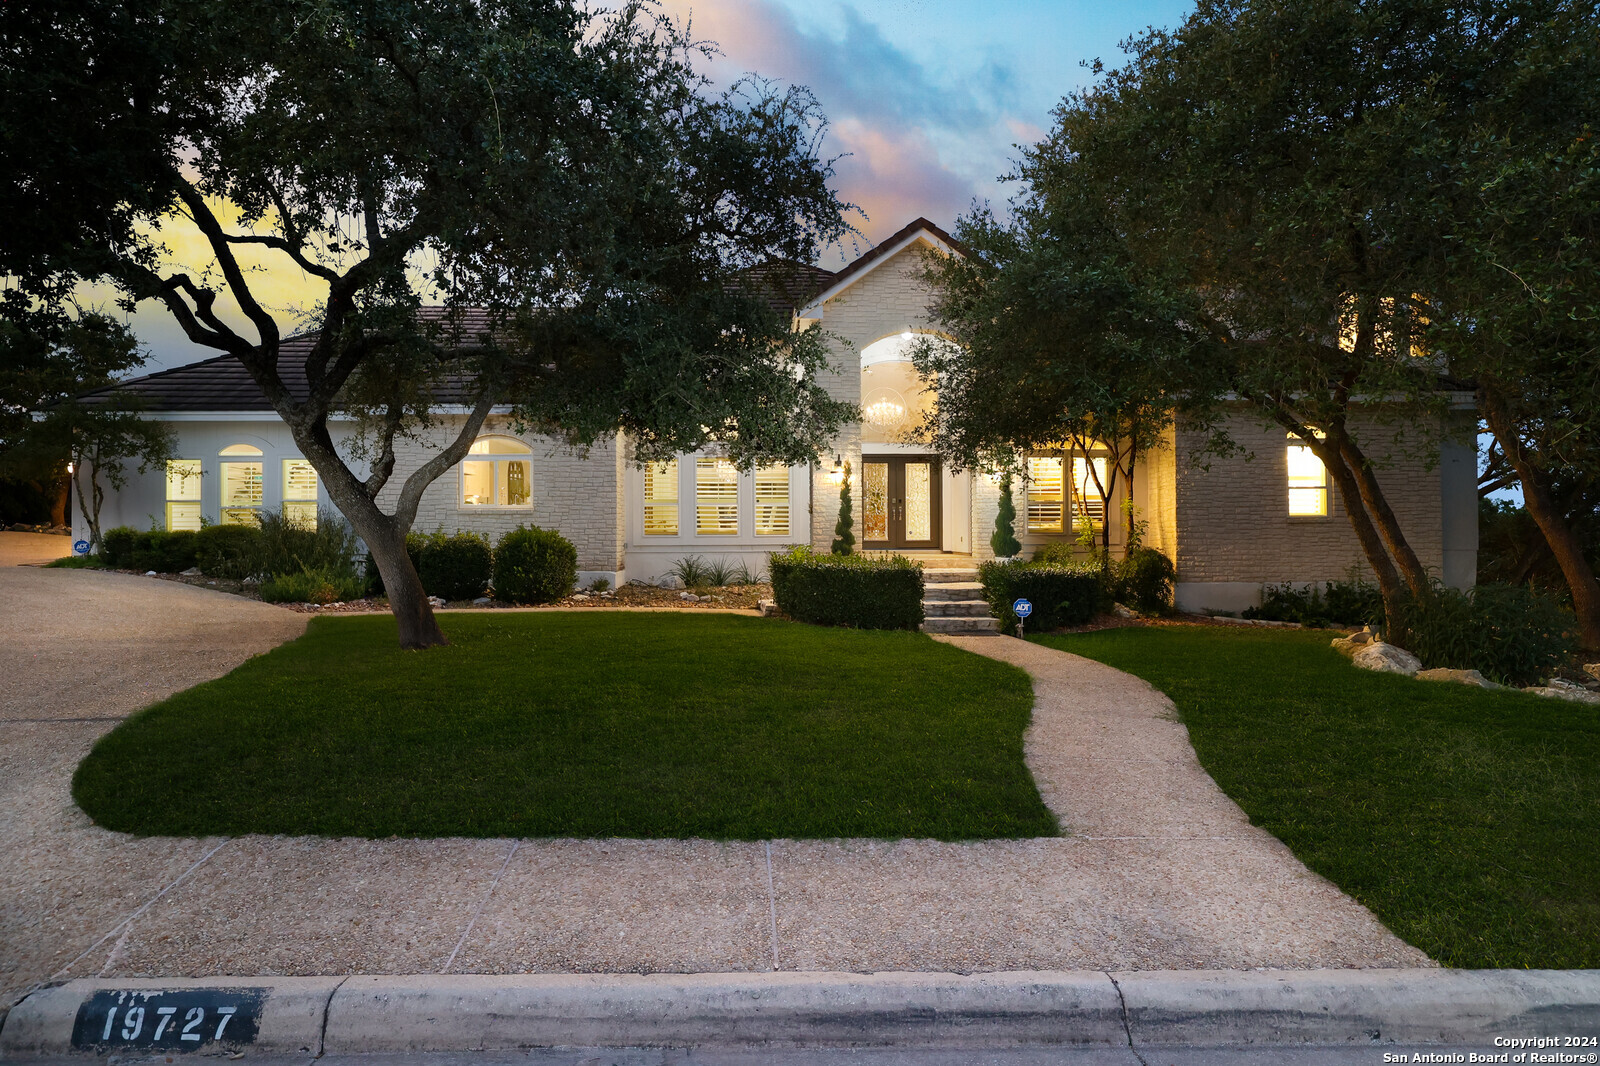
(1231, 525)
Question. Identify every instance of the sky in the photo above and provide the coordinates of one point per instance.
(927, 101)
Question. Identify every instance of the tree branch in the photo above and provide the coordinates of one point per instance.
(405, 511)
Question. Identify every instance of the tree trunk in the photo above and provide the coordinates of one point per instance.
(61, 501)
(90, 508)
(413, 614)
(1558, 535)
(1377, 507)
(1389, 583)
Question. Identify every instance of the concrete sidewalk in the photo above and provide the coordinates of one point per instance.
(1160, 870)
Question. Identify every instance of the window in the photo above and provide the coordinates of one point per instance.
(300, 493)
(498, 474)
(1308, 481)
(241, 486)
(1046, 511)
(772, 501)
(661, 499)
(1086, 486)
(716, 498)
(183, 494)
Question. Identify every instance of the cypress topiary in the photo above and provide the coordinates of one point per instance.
(1004, 539)
(844, 538)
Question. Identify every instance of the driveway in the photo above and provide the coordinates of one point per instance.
(32, 549)
(1159, 870)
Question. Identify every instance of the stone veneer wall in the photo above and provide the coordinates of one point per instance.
(580, 496)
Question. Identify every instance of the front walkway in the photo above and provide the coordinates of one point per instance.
(1160, 871)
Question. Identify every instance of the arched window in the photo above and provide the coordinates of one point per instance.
(241, 485)
(498, 472)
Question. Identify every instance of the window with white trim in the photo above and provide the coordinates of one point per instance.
(1086, 485)
(661, 499)
(498, 472)
(716, 498)
(241, 482)
(183, 494)
(1046, 505)
(772, 501)
(1308, 481)
(300, 493)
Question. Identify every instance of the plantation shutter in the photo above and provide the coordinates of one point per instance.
(661, 499)
(716, 489)
(772, 501)
(1046, 506)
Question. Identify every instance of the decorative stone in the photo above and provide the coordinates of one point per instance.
(149, 573)
(1464, 677)
(1592, 669)
(482, 601)
(1387, 659)
(436, 601)
(1346, 646)
(1565, 691)
(1123, 612)
(671, 581)
(580, 595)
(193, 571)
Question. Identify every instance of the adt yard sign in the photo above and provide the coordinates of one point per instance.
(80, 547)
(1022, 608)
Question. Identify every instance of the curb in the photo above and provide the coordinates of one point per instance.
(313, 1015)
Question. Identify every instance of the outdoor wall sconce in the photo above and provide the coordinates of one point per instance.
(836, 475)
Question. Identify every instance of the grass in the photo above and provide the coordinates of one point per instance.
(77, 562)
(584, 725)
(1466, 820)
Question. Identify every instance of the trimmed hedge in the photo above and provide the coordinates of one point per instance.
(126, 548)
(456, 567)
(847, 590)
(232, 552)
(313, 585)
(533, 565)
(1061, 594)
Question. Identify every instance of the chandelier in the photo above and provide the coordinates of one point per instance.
(885, 407)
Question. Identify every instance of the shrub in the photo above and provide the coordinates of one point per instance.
(743, 575)
(414, 543)
(116, 547)
(319, 585)
(533, 565)
(1061, 595)
(1146, 580)
(848, 590)
(844, 537)
(1513, 634)
(692, 570)
(1003, 541)
(457, 566)
(285, 546)
(1057, 552)
(229, 552)
(1350, 602)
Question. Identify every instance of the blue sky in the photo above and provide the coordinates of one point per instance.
(927, 99)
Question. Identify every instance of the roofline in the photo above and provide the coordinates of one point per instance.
(888, 249)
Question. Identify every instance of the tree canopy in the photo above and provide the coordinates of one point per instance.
(561, 182)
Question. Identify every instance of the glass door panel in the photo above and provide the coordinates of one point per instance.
(919, 502)
(900, 503)
(875, 501)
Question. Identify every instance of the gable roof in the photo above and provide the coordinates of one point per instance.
(785, 284)
(902, 239)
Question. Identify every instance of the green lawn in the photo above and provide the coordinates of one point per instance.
(1468, 821)
(585, 725)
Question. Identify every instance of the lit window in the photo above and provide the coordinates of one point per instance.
(1308, 481)
(661, 499)
(241, 487)
(183, 494)
(498, 474)
(1086, 485)
(1046, 510)
(300, 493)
(716, 498)
(772, 501)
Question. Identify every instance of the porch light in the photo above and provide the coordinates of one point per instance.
(69, 469)
(906, 335)
(836, 475)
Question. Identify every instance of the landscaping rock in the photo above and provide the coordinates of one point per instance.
(1558, 689)
(580, 595)
(768, 608)
(1346, 646)
(482, 601)
(436, 601)
(1464, 677)
(1592, 669)
(1123, 612)
(149, 573)
(1387, 659)
(671, 581)
(193, 571)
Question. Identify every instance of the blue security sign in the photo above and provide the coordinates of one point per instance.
(1022, 608)
(80, 547)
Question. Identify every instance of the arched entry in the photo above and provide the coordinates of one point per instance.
(901, 482)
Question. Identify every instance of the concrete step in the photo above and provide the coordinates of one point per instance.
(946, 576)
(955, 608)
(964, 626)
(955, 590)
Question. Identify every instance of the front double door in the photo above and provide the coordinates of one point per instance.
(900, 502)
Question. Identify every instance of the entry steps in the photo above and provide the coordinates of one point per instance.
(952, 602)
